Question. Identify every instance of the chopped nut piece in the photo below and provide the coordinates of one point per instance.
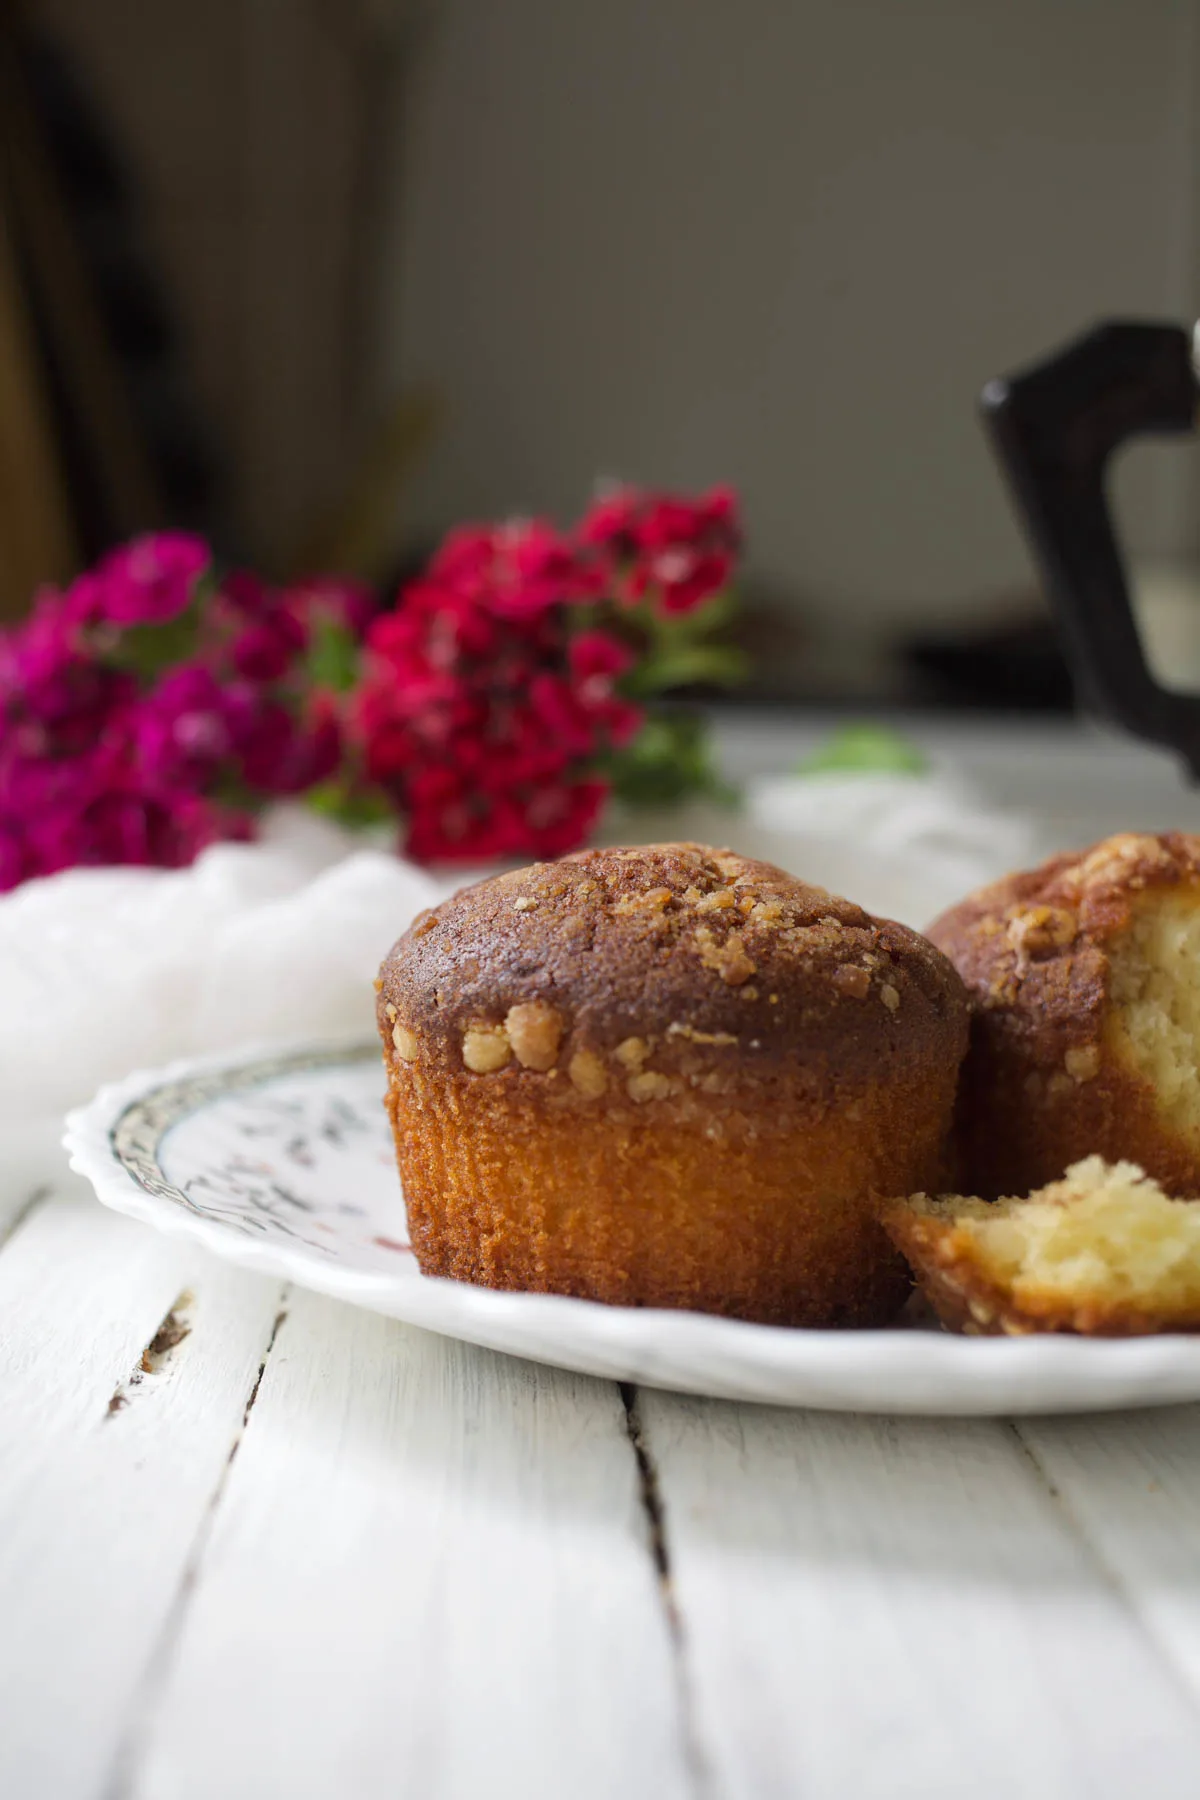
(632, 1052)
(1110, 860)
(653, 900)
(588, 1074)
(700, 1037)
(718, 902)
(648, 1084)
(1041, 929)
(729, 959)
(485, 1048)
(1083, 1062)
(424, 922)
(408, 1046)
(534, 1031)
(525, 904)
(889, 996)
(850, 979)
(390, 1010)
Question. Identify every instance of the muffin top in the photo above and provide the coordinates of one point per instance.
(674, 948)
(1036, 949)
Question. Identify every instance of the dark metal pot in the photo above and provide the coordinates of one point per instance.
(1054, 427)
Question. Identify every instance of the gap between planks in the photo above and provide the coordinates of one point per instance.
(125, 1759)
(658, 1544)
(1109, 1571)
(10, 1225)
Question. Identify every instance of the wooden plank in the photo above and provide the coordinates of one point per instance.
(109, 1469)
(876, 1607)
(428, 1577)
(1131, 1483)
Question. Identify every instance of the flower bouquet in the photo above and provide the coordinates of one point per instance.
(159, 704)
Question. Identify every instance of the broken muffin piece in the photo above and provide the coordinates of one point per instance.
(1084, 976)
(1103, 1252)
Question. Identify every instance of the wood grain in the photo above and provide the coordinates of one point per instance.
(109, 1471)
(1130, 1484)
(428, 1577)
(881, 1608)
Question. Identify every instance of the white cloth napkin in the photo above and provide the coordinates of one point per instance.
(103, 971)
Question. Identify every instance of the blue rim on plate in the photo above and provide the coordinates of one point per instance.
(278, 1158)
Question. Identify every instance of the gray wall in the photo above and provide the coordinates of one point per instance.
(784, 244)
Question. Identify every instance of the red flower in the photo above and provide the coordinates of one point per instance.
(518, 570)
(479, 713)
(675, 552)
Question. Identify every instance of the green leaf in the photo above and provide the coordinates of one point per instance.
(667, 760)
(350, 806)
(150, 650)
(332, 656)
(864, 749)
(683, 665)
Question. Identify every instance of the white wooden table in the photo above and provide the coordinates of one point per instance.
(254, 1543)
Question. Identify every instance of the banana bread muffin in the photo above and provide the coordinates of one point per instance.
(1085, 980)
(1103, 1252)
(668, 1076)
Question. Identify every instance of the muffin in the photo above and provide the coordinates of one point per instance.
(1102, 1252)
(1085, 982)
(668, 1076)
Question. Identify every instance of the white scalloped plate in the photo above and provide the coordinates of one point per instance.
(280, 1159)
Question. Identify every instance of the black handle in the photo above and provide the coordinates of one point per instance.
(1055, 427)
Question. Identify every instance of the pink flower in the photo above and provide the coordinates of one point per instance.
(267, 649)
(182, 730)
(147, 581)
(350, 604)
(14, 856)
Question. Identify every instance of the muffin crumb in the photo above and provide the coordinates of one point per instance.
(700, 1037)
(485, 1048)
(849, 979)
(534, 1030)
(588, 1074)
(648, 1084)
(729, 959)
(1082, 1062)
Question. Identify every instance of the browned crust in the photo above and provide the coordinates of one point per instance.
(695, 1133)
(786, 970)
(1042, 1086)
(946, 1262)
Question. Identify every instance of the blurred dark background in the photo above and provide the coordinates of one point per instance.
(321, 277)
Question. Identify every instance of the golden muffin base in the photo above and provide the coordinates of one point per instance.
(776, 1222)
(668, 1077)
(1101, 1253)
(1067, 1057)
